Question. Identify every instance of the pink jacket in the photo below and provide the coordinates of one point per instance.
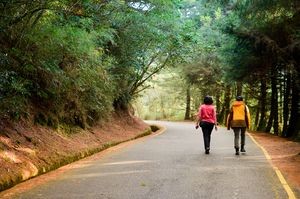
(207, 113)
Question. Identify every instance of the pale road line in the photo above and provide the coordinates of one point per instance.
(282, 180)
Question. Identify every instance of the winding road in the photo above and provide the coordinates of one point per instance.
(171, 165)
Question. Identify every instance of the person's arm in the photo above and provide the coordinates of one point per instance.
(215, 119)
(198, 118)
(248, 119)
(197, 122)
(229, 118)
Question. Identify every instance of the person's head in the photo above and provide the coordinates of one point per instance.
(208, 100)
(239, 98)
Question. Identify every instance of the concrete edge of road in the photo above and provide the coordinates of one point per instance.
(282, 180)
(118, 146)
(161, 129)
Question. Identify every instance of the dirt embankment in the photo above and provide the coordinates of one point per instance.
(285, 155)
(29, 150)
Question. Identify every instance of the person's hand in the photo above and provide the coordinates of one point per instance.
(216, 127)
(196, 126)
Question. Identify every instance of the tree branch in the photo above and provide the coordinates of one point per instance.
(142, 81)
(18, 19)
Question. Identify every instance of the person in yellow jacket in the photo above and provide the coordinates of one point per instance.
(239, 119)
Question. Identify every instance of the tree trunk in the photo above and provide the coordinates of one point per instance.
(286, 102)
(273, 120)
(263, 101)
(275, 103)
(217, 102)
(294, 123)
(257, 114)
(221, 115)
(188, 103)
(226, 105)
(227, 102)
(162, 108)
(239, 88)
(270, 123)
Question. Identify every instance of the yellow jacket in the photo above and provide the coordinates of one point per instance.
(239, 115)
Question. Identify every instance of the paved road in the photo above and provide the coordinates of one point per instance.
(170, 166)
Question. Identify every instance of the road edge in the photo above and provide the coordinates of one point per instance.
(282, 180)
(51, 175)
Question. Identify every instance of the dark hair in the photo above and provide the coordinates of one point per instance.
(208, 100)
(239, 98)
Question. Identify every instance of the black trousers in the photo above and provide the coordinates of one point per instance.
(207, 129)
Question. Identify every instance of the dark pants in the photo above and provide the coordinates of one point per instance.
(207, 129)
(237, 131)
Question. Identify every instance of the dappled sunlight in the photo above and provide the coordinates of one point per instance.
(10, 156)
(103, 174)
(248, 157)
(26, 150)
(29, 172)
(128, 162)
(223, 148)
(80, 164)
(214, 168)
(89, 163)
(6, 141)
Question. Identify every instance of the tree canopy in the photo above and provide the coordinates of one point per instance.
(248, 48)
(74, 62)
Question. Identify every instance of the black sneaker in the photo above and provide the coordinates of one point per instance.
(243, 150)
(207, 151)
(237, 151)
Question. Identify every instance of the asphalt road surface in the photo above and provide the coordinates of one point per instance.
(172, 165)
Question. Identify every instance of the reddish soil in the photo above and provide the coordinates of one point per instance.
(29, 150)
(285, 154)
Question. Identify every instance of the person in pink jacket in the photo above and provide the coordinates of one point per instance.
(207, 119)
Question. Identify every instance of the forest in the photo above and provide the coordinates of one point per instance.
(74, 62)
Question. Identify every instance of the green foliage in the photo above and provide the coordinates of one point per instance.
(73, 62)
(67, 62)
(72, 72)
(13, 94)
(228, 48)
(146, 43)
(163, 100)
(57, 70)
